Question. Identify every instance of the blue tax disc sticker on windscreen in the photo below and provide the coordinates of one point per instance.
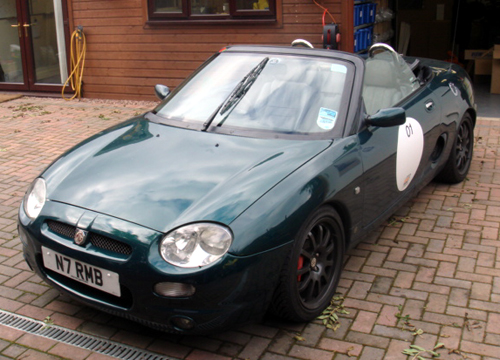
(326, 118)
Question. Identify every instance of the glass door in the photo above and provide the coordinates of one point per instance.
(33, 54)
(12, 72)
(47, 41)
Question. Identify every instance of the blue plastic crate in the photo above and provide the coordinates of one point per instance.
(361, 39)
(365, 38)
(366, 13)
(369, 36)
(373, 12)
(358, 15)
(357, 40)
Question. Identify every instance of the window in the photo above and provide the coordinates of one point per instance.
(211, 10)
(388, 80)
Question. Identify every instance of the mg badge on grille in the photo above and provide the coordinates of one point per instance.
(80, 237)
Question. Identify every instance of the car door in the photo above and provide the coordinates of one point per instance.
(392, 155)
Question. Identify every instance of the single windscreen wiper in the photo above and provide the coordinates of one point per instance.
(237, 94)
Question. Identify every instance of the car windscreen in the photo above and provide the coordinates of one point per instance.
(264, 93)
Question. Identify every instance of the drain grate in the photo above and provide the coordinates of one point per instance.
(75, 338)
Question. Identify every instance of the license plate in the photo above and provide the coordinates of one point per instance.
(99, 278)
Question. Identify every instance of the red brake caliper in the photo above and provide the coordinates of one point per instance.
(300, 265)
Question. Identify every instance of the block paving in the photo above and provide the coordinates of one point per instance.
(430, 275)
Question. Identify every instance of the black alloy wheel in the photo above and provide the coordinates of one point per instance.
(458, 164)
(463, 146)
(315, 266)
(312, 271)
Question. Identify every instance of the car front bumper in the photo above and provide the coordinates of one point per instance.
(234, 290)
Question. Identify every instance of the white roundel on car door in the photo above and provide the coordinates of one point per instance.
(410, 148)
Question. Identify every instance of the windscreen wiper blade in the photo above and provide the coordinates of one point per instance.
(243, 86)
(237, 94)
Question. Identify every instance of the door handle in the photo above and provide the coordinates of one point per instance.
(429, 105)
(18, 26)
(26, 26)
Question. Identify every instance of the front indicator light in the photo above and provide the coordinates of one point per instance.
(170, 289)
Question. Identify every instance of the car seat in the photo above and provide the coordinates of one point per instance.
(381, 89)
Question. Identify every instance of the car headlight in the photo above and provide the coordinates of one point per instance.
(35, 198)
(195, 245)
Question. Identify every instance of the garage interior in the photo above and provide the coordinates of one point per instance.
(448, 30)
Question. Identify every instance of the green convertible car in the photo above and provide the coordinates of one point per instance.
(239, 194)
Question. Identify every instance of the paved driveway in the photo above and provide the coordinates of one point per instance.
(430, 276)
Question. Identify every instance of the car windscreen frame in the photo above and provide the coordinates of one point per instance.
(353, 63)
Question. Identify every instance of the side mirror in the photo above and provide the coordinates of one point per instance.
(387, 117)
(161, 91)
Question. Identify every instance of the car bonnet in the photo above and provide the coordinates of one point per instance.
(162, 177)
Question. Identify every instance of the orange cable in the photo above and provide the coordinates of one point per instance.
(326, 11)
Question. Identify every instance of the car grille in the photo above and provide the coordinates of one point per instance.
(106, 243)
(99, 241)
(62, 228)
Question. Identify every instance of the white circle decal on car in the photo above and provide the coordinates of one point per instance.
(410, 148)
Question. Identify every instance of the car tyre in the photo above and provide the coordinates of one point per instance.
(312, 270)
(458, 163)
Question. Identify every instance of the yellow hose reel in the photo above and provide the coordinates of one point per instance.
(77, 52)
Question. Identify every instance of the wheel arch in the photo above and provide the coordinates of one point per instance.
(473, 114)
(345, 216)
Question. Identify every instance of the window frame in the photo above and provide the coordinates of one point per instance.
(234, 16)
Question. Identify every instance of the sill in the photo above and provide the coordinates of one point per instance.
(233, 21)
